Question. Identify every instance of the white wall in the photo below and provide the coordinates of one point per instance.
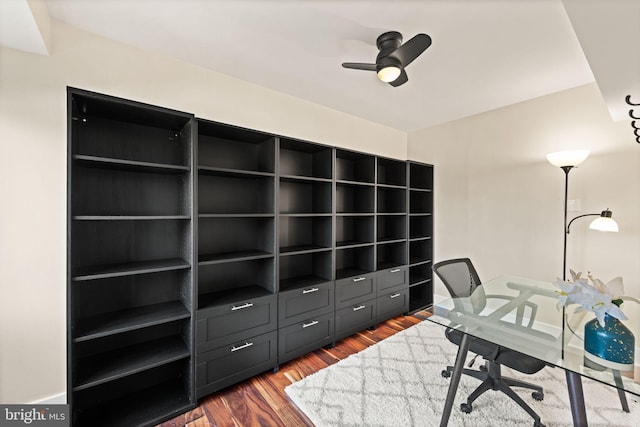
(33, 173)
(499, 202)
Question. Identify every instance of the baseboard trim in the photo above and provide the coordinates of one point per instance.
(56, 399)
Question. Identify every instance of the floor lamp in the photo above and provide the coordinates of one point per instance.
(567, 160)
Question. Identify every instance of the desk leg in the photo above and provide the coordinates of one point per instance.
(576, 399)
(621, 394)
(455, 379)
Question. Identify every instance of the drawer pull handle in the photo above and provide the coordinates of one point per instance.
(240, 307)
(309, 291)
(306, 325)
(360, 307)
(394, 296)
(245, 345)
(359, 279)
(395, 270)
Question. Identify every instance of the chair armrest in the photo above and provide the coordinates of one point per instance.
(500, 333)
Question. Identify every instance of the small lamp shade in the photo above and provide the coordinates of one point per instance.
(604, 222)
(567, 158)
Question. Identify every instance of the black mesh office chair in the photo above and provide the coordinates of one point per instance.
(461, 280)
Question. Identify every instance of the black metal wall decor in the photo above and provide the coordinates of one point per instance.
(635, 116)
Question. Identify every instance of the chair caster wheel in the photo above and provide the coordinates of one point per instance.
(446, 374)
(537, 395)
(538, 424)
(466, 408)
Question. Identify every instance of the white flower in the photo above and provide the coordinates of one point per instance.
(600, 298)
(569, 288)
(566, 289)
(613, 287)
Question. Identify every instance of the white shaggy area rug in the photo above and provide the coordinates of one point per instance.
(397, 382)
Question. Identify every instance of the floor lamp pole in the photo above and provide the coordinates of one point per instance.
(574, 381)
(566, 170)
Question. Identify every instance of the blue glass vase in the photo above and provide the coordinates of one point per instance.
(611, 346)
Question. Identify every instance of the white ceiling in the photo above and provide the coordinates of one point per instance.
(485, 53)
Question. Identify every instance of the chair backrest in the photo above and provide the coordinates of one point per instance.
(461, 280)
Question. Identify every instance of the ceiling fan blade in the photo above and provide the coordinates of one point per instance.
(411, 49)
(402, 79)
(359, 66)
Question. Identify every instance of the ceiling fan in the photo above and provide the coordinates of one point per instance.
(394, 57)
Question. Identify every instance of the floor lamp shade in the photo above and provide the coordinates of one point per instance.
(567, 158)
(604, 222)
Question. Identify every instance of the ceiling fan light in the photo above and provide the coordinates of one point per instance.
(389, 73)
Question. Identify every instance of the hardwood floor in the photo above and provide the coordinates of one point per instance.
(261, 400)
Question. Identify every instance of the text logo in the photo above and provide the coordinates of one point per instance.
(34, 415)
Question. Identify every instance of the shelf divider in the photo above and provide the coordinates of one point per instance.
(130, 268)
(116, 364)
(132, 165)
(106, 324)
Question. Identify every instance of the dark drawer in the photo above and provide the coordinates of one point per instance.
(391, 278)
(352, 319)
(297, 305)
(392, 304)
(225, 324)
(354, 289)
(303, 337)
(232, 363)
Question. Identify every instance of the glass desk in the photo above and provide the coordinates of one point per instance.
(545, 336)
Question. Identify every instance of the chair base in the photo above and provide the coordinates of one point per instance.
(492, 379)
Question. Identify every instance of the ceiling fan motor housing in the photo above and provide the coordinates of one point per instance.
(387, 43)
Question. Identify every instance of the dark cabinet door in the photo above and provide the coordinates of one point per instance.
(235, 362)
(392, 278)
(392, 304)
(224, 324)
(297, 305)
(354, 289)
(303, 337)
(357, 317)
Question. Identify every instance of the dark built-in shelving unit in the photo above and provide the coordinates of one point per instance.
(420, 235)
(355, 214)
(201, 254)
(392, 284)
(130, 253)
(236, 277)
(305, 247)
(305, 213)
